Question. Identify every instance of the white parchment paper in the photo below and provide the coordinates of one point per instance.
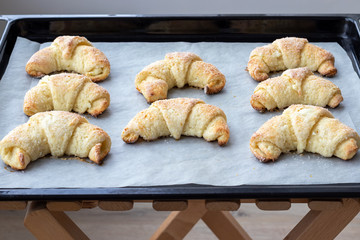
(188, 160)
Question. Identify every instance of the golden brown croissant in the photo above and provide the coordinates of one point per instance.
(70, 53)
(295, 86)
(176, 117)
(290, 52)
(57, 133)
(177, 70)
(66, 92)
(304, 128)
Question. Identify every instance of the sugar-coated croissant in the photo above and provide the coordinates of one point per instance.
(295, 86)
(72, 54)
(290, 52)
(304, 128)
(177, 70)
(66, 92)
(57, 133)
(176, 117)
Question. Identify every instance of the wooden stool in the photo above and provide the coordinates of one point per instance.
(222, 223)
(325, 219)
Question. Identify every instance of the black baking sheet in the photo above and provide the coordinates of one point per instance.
(343, 30)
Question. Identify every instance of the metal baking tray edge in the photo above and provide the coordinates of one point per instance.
(342, 28)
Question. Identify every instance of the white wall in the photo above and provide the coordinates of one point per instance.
(177, 7)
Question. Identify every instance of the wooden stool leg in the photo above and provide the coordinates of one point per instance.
(224, 225)
(179, 223)
(325, 224)
(45, 224)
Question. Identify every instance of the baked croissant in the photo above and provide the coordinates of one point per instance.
(70, 53)
(295, 86)
(304, 128)
(176, 117)
(290, 52)
(57, 133)
(66, 92)
(177, 70)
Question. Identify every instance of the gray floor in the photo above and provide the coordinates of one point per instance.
(142, 221)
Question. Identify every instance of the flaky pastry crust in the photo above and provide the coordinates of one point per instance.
(66, 92)
(57, 133)
(177, 70)
(304, 128)
(287, 53)
(176, 117)
(295, 86)
(71, 54)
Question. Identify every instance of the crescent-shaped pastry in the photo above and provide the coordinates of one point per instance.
(295, 86)
(71, 54)
(66, 92)
(57, 133)
(287, 53)
(177, 70)
(304, 128)
(176, 117)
